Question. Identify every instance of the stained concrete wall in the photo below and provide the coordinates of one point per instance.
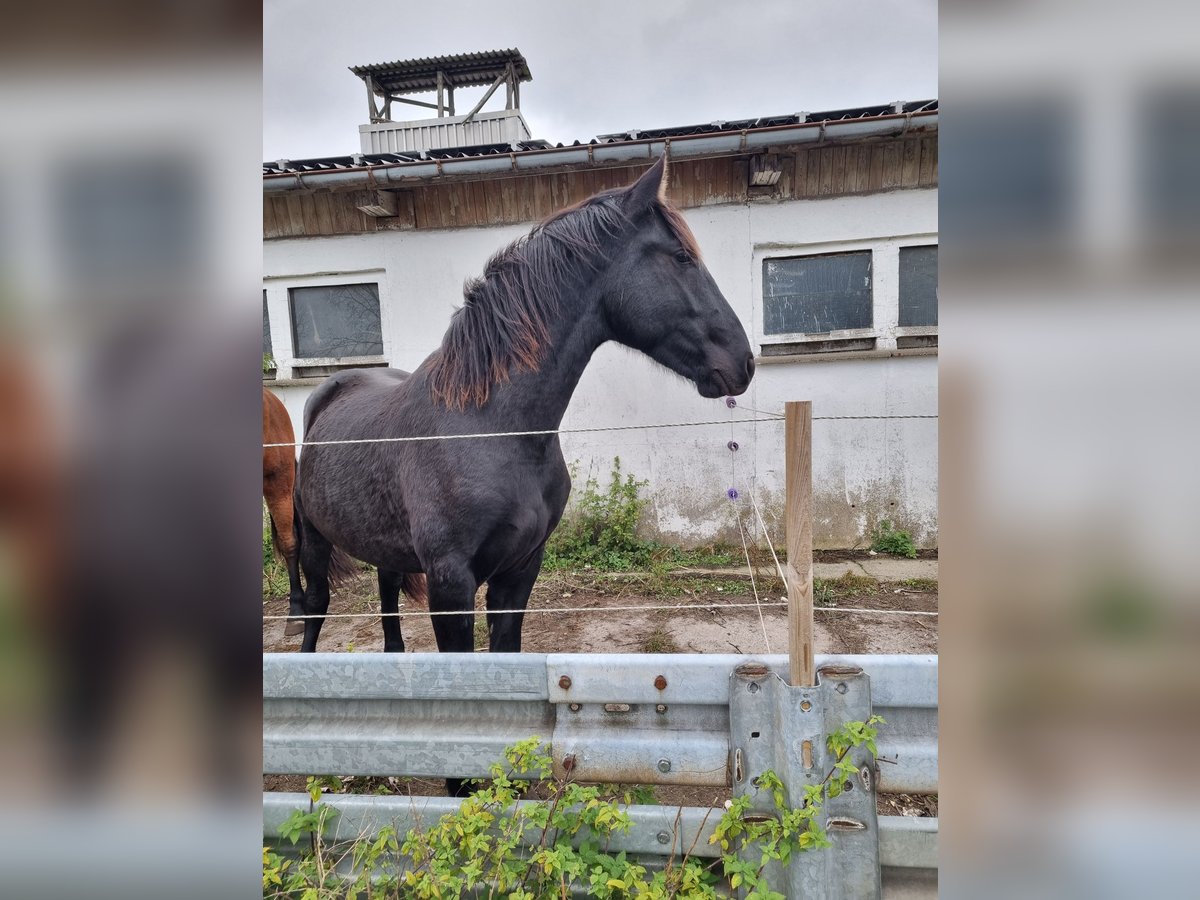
(863, 470)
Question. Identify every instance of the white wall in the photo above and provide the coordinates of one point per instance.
(862, 470)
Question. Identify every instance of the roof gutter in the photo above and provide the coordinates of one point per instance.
(745, 141)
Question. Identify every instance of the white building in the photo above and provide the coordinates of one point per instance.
(820, 229)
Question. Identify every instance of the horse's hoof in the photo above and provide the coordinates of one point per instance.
(294, 627)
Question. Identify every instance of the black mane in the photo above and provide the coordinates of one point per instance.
(501, 326)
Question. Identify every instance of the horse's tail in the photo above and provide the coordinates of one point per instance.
(342, 566)
(416, 588)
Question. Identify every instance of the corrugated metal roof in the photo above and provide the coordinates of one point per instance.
(412, 76)
(363, 160)
(359, 161)
(862, 112)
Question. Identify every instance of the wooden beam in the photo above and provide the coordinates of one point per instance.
(450, 98)
(372, 109)
(380, 205)
(399, 99)
(798, 462)
(440, 85)
(500, 79)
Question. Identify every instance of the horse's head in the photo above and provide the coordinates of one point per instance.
(662, 300)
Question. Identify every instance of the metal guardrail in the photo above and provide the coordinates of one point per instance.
(646, 719)
(452, 715)
(907, 843)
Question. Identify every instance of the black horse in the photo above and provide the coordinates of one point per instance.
(621, 266)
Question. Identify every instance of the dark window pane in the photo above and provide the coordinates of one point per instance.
(807, 294)
(1002, 181)
(1168, 150)
(918, 285)
(266, 328)
(336, 321)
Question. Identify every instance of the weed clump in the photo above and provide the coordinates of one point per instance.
(601, 532)
(886, 538)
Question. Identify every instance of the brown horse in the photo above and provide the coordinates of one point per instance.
(279, 480)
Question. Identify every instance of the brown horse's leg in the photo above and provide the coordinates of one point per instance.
(389, 599)
(277, 490)
(510, 591)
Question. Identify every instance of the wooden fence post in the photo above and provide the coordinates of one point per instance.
(798, 462)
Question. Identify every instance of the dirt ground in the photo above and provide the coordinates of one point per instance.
(732, 625)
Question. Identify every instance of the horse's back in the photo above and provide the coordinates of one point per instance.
(349, 385)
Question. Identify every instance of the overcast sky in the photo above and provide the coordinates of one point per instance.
(601, 66)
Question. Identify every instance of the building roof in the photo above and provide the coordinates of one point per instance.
(865, 114)
(836, 115)
(415, 76)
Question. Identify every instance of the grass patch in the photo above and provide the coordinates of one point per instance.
(827, 591)
(659, 641)
(921, 584)
(275, 576)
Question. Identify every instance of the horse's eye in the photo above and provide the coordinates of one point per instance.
(683, 257)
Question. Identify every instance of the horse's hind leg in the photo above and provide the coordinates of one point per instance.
(277, 489)
(315, 553)
(389, 599)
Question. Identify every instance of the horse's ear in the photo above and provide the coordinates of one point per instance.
(650, 188)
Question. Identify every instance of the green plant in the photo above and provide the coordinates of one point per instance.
(600, 532)
(921, 584)
(779, 835)
(886, 538)
(268, 363)
(275, 577)
(601, 528)
(557, 844)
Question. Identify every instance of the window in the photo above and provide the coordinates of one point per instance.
(918, 286)
(336, 321)
(817, 294)
(266, 329)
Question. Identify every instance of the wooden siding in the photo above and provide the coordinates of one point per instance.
(826, 171)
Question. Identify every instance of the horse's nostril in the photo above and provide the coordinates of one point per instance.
(750, 366)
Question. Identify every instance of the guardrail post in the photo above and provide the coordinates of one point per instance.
(776, 726)
(782, 726)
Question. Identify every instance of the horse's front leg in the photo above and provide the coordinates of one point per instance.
(452, 588)
(507, 597)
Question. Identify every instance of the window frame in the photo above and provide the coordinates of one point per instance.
(885, 298)
(913, 330)
(800, 337)
(279, 301)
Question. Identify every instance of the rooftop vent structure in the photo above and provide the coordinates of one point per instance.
(394, 82)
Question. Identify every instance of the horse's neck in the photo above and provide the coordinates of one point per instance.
(532, 401)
